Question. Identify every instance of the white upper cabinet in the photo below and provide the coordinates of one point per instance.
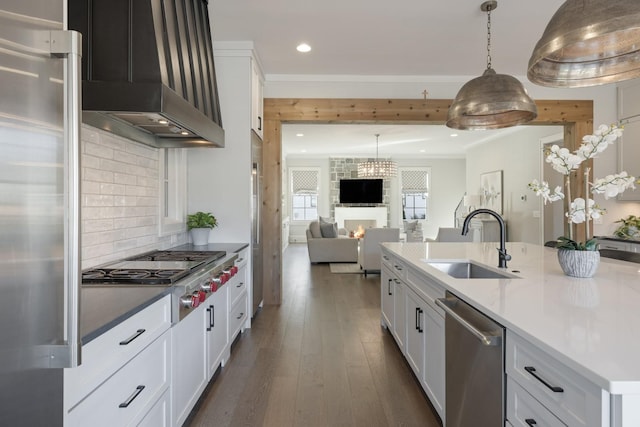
(257, 105)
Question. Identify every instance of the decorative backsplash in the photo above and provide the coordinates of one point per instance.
(119, 199)
(347, 168)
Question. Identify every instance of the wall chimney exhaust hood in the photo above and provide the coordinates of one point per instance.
(148, 71)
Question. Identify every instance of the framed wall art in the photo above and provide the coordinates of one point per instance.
(491, 190)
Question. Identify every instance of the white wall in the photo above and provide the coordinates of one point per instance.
(439, 87)
(219, 180)
(519, 159)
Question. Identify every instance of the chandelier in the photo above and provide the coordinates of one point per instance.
(491, 101)
(377, 168)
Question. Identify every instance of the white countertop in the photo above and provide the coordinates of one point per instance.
(591, 325)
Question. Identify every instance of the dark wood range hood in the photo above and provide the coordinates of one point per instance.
(148, 71)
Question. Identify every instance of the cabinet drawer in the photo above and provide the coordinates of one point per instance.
(158, 415)
(127, 396)
(243, 257)
(525, 411)
(237, 285)
(107, 353)
(571, 397)
(237, 316)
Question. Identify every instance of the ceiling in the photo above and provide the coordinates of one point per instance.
(379, 38)
(400, 38)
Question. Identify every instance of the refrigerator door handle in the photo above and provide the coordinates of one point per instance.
(68, 46)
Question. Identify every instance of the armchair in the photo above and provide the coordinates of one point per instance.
(369, 256)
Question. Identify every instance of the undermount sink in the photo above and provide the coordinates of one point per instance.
(469, 270)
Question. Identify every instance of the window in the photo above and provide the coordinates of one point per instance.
(173, 191)
(304, 193)
(414, 190)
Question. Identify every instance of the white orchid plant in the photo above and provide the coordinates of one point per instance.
(579, 210)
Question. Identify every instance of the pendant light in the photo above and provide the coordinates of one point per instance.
(491, 101)
(377, 168)
(588, 42)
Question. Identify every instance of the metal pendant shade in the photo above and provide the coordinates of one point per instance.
(377, 168)
(588, 42)
(491, 101)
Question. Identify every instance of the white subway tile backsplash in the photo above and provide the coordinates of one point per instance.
(97, 149)
(97, 175)
(120, 199)
(126, 179)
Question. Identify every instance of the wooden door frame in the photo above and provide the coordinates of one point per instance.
(575, 116)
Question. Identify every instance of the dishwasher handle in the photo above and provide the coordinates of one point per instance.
(488, 340)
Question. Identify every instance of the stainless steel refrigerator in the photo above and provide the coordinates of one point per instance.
(39, 209)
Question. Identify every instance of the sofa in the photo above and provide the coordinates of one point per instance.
(328, 244)
(370, 253)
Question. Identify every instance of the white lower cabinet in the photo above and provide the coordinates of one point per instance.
(189, 364)
(539, 385)
(124, 373)
(217, 330)
(127, 396)
(159, 414)
(417, 325)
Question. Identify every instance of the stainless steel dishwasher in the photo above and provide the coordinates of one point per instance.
(474, 366)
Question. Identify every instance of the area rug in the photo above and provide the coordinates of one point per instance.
(348, 268)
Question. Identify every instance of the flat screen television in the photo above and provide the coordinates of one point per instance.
(365, 191)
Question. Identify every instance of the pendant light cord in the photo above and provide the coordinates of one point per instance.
(488, 36)
(377, 135)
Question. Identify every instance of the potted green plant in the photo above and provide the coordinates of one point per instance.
(200, 224)
(629, 228)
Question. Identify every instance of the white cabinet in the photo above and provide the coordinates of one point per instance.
(189, 373)
(216, 323)
(257, 103)
(417, 324)
(124, 374)
(541, 388)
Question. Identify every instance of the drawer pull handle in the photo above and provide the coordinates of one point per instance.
(397, 267)
(239, 285)
(133, 337)
(553, 388)
(389, 288)
(239, 260)
(132, 397)
(531, 422)
(240, 316)
(386, 258)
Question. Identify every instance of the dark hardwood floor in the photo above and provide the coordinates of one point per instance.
(319, 359)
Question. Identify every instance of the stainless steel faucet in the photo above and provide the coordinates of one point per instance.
(503, 256)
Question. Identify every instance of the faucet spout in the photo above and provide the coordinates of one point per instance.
(503, 256)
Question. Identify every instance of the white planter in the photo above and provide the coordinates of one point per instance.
(200, 236)
(579, 263)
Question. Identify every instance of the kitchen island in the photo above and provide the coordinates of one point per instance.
(585, 326)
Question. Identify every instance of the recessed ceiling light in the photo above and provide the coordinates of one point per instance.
(423, 151)
(454, 135)
(299, 134)
(184, 132)
(163, 121)
(303, 151)
(303, 47)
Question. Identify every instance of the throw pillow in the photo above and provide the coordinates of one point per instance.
(328, 230)
(314, 228)
(325, 219)
(410, 226)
